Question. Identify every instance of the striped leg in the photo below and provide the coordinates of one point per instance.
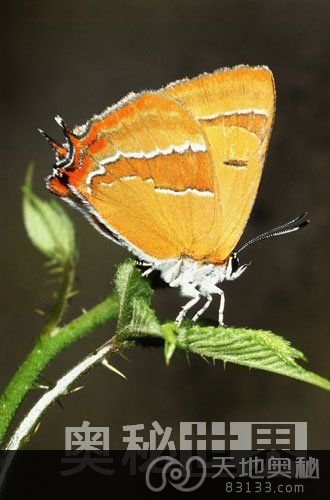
(143, 263)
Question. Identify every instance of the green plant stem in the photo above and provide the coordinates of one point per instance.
(44, 350)
(63, 296)
(61, 388)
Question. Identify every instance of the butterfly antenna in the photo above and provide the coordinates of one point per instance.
(289, 227)
(67, 133)
(59, 150)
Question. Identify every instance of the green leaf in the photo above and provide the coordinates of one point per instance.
(49, 228)
(135, 316)
(51, 231)
(169, 331)
(253, 348)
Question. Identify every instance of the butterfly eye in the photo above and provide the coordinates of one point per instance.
(234, 264)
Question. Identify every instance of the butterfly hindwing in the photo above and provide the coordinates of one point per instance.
(235, 108)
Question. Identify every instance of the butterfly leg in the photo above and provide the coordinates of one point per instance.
(217, 291)
(147, 272)
(203, 309)
(222, 306)
(192, 292)
(142, 263)
(210, 290)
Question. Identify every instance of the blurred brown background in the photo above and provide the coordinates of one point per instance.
(76, 58)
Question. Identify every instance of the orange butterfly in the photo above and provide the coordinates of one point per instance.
(173, 174)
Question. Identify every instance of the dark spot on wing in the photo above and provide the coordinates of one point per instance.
(236, 163)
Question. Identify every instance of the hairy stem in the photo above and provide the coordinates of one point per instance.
(44, 350)
(28, 424)
(26, 427)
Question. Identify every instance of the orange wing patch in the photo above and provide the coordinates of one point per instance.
(148, 175)
(142, 134)
(235, 108)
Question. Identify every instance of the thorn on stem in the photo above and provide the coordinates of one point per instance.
(41, 386)
(75, 389)
(36, 428)
(107, 365)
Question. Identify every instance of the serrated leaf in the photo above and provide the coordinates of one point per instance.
(49, 228)
(253, 348)
(134, 299)
(144, 321)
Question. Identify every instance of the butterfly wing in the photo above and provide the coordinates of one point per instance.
(235, 107)
(145, 173)
(175, 172)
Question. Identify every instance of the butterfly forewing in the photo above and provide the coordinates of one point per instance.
(148, 174)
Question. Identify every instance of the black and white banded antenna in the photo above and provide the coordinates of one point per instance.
(288, 227)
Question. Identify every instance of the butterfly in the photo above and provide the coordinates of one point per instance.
(172, 175)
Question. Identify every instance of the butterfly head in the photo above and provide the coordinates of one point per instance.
(234, 269)
(64, 154)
